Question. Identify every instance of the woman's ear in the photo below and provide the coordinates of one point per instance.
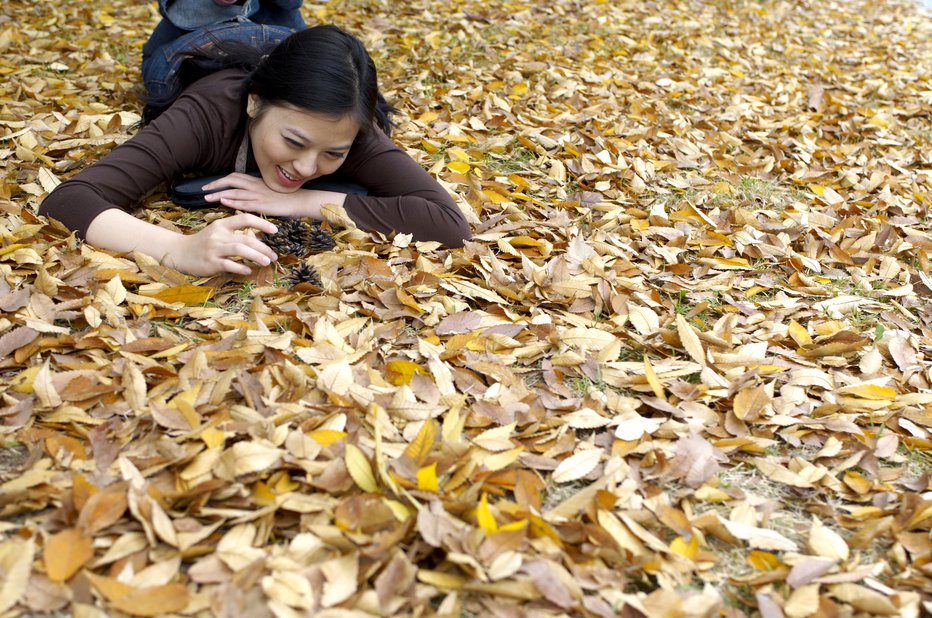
(252, 105)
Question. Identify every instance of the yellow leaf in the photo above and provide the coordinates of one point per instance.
(494, 196)
(757, 289)
(458, 154)
(540, 528)
(407, 300)
(420, 447)
(400, 372)
(484, 515)
(870, 391)
(515, 525)
(687, 549)
(427, 478)
(187, 294)
(262, 495)
(66, 552)
(359, 468)
(282, 483)
(651, 376)
(799, 333)
(399, 510)
(763, 560)
(521, 88)
(518, 181)
(733, 262)
(326, 437)
(857, 482)
(23, 381)
(459, 166)
(213, 437)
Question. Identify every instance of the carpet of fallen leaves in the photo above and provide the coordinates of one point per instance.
(683, 369)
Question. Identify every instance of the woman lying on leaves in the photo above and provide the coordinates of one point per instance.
(308, 110)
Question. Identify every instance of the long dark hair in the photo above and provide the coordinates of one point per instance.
(321, 69)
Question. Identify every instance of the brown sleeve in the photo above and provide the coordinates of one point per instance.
(193, 135)
(402, 195)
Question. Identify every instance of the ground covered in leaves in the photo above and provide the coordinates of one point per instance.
(683, 369)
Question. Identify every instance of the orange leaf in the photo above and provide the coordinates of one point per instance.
(102, 509)
(66, 552)
(153, 601)
(763, 560)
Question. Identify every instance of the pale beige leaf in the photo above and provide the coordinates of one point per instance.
(16, 556)
(761, 538)
(254, 456)
(336, 377)
(803, 602)
(577, 466)
(826, 542)
(690, 339)
(359, 468)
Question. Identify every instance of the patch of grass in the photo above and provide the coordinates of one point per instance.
(755, 193)
(557, 493)
(519, 159)
(581, 385)
(240, 301)
(918, 462)
(630, 355)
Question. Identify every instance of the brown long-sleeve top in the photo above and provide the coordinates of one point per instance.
(200, 134)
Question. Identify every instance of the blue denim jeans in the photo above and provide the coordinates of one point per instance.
(161, 69)
(192, 25)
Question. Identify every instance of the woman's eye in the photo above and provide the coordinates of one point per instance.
(337, 155)
(293, 143)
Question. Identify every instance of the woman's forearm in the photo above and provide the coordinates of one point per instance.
(120, 231)
(323, 206)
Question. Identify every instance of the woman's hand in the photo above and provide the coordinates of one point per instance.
(214, 249)
(251, 194)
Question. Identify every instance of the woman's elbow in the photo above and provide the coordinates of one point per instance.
(455, 234)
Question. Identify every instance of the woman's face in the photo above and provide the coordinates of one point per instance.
(292, 146)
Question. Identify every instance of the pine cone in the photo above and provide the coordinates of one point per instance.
(305, 273)
(320, 240)
(299, 238)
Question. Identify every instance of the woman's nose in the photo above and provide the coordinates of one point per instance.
(306, 166)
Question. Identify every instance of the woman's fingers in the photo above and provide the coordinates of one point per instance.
(245, 220)
(261, 247)
(232, 181)
(245, 251)
(237, 268)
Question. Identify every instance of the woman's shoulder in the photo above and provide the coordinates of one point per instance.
(222, 88)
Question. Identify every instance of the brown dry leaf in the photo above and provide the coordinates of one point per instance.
(692, 314)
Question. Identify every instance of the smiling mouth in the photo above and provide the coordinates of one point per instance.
(288, 177)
